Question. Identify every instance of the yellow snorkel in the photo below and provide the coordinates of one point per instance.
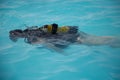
(49, 28)
(54, 29)
(63, 29)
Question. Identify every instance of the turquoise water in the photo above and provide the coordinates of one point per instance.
(21, 61)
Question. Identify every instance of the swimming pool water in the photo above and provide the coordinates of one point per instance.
(21, 61)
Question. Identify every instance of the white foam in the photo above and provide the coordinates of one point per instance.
(19, 59)
(15, 4)
(110, 66)
(61, 69)
(5, 47)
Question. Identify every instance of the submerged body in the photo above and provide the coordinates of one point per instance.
(93, 40)
(80, 38)
(55, 40)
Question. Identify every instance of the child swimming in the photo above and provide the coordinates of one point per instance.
(59, 37)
